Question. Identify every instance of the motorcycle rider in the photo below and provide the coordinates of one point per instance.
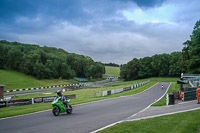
(162, 86)
(62, 98)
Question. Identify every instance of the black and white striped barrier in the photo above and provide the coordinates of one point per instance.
(54, 86)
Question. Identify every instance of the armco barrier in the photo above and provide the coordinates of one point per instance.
(110, 92)
(37, 100)
(118, 90)
(18, 102)
(32, 101)
(48, 99)
(127, 88)
(42, 99)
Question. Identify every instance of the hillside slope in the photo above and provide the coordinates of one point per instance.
(16, 80)
(112, 71)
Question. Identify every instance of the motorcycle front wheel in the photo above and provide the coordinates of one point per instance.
(55, 111)
(69, 111)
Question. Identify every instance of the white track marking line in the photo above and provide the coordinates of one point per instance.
(153, 116)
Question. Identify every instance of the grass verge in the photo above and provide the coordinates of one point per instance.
(175, 123)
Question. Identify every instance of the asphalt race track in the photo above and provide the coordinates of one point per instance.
(86, 117)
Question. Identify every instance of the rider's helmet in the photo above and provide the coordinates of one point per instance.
(59, 93)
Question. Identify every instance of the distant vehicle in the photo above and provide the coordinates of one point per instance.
(162, 87)
(59, 107)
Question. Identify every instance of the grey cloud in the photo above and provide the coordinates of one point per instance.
(114, 46)
(108, 36)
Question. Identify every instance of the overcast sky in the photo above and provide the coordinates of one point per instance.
(106, 30)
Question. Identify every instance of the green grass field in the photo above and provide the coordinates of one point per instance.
(16, 80)
(187, 122)
(112, 71)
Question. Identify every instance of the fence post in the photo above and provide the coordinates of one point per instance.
(167, 99)
(32, 100)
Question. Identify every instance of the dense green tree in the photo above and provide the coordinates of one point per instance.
(191, 51)
(129, 71)
(145, 68)
(95, 70)
(2, 57)
(160, 64)
(185, 56)
(175, 64)
(14, 58)
(111, 64)
(123, 71)
(47, 62)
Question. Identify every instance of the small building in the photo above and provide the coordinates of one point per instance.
(81, 79)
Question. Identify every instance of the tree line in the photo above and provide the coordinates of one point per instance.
(167, 65)
(111, 64)
(47, 62)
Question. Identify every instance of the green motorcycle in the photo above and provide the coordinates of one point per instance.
(59, 107)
